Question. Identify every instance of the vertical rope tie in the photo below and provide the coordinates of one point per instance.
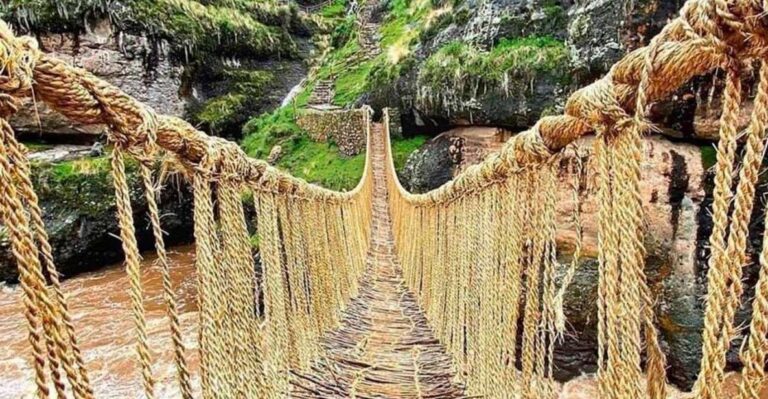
(182, 370)
(721, 274)
(753, 354)
(22, 248)
(578, 176)
(72, 360)
(133, 268)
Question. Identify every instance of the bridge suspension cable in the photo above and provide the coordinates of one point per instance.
(479, 253)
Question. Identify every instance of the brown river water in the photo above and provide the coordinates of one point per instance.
(100, 308)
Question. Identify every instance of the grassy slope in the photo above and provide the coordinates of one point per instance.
(320, 162)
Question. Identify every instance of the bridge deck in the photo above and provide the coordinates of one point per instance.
(385, 347)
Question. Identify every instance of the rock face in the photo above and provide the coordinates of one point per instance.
(594, 34)
(79, 210)
(129, 62)
(443, 157)
(76, 193)
(676, 194)
(432, 165)
(673, 192)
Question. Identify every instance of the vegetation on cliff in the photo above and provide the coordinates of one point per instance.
(458, 73)
(241, 89)
(190, 27)
(316, 162)
(350, 69)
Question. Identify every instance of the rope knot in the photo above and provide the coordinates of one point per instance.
(18, 57)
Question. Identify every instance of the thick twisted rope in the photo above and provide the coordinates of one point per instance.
(753, 354)
(72, 359)
(168, 294)
(133, 268)
(22, 248)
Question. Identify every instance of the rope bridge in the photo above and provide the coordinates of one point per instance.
(377, 292)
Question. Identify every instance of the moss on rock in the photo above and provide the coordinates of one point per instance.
(78, 204)
(459, 73)
(190, 27)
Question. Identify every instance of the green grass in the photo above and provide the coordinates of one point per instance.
(352, 83)
(255, 241)
(402, 148)
(708, 156)
(335, 9)
(315, 162)
(262, 133)
(80, 167)
(321, 163)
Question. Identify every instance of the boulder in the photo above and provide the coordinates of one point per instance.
(433, 165)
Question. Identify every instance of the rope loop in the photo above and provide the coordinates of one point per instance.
(18, 57)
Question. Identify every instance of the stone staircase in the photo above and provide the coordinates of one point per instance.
(322, 94)
(369, 30)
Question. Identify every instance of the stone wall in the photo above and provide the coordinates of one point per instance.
(345, 128)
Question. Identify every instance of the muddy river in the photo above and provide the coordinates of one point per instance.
(100, 307)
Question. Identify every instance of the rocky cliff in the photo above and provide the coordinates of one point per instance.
(211, 62)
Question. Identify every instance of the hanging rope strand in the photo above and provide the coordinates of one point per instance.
(168, 294)
(133, 268)
(72, 360)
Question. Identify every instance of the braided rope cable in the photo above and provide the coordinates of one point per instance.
(577, 168)
(72, 359)
(204, 262)
(168, 293)
(133, 268)
(708, 385)
(755, 351)
(22, 248)
(743, 205)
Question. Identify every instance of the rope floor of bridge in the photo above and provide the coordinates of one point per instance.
(384, 347)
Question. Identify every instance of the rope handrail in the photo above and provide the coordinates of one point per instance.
(689, 49)
(479, 253)
(685, 53)
(84, 98)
